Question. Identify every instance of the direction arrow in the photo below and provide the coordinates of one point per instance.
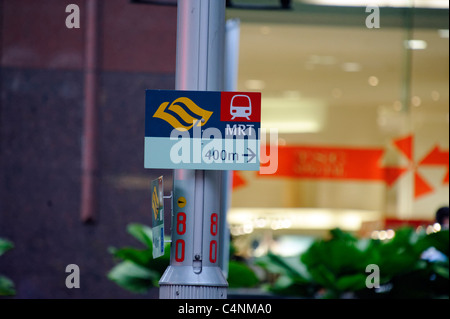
(252, 155)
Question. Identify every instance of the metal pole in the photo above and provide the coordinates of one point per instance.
(231, 62)
(194, 271)
(90, 134)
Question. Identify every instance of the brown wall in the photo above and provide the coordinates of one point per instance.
(41, 139)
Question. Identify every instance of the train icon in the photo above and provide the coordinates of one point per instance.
(240, 106)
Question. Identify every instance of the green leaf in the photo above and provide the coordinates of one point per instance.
(133, 277)
(5, 245)
(441, 269)
(241, 276)
(323, 276)
(338, 256)
(339, 234)
(138, 271)
(279, 264)
(161, 263)
(439, 240)
(352, 282)
(289, 286)
(142, 233)
(283, 283)
(6, 287)
(405, 237)
(401, 254)
(138, 256)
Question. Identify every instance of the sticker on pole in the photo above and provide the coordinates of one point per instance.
(202, 130)
(157, 217)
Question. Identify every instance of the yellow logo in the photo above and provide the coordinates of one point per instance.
(202, 116)
(155, 203)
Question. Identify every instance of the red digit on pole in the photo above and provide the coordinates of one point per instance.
(181, 221)
(213, 251)
(213, 244)
(180, 244)
(179, 250)
(214, 220)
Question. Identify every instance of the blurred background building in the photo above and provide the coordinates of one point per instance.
(362, 116)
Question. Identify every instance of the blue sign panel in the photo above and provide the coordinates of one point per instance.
(202, 130)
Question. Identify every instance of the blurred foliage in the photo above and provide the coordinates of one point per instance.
(6, 285)
(292, 276)
(336, 267)
(240, 275)
(138, 271)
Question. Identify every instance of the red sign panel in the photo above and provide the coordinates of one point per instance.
(240, 107)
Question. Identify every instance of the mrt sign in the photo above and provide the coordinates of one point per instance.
(202, 130)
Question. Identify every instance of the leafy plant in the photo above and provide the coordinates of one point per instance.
(6, 285)
(138, 271)
(240, 275)
(331, 268)
(292, 277)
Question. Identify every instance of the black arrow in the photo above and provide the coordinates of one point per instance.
(252, 155)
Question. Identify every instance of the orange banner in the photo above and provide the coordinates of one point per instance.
(330, 163)
(352, 163)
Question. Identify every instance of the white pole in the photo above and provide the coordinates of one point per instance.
(194, 271)
(231, 66)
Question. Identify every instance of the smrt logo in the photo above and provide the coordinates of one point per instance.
(182, 114)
